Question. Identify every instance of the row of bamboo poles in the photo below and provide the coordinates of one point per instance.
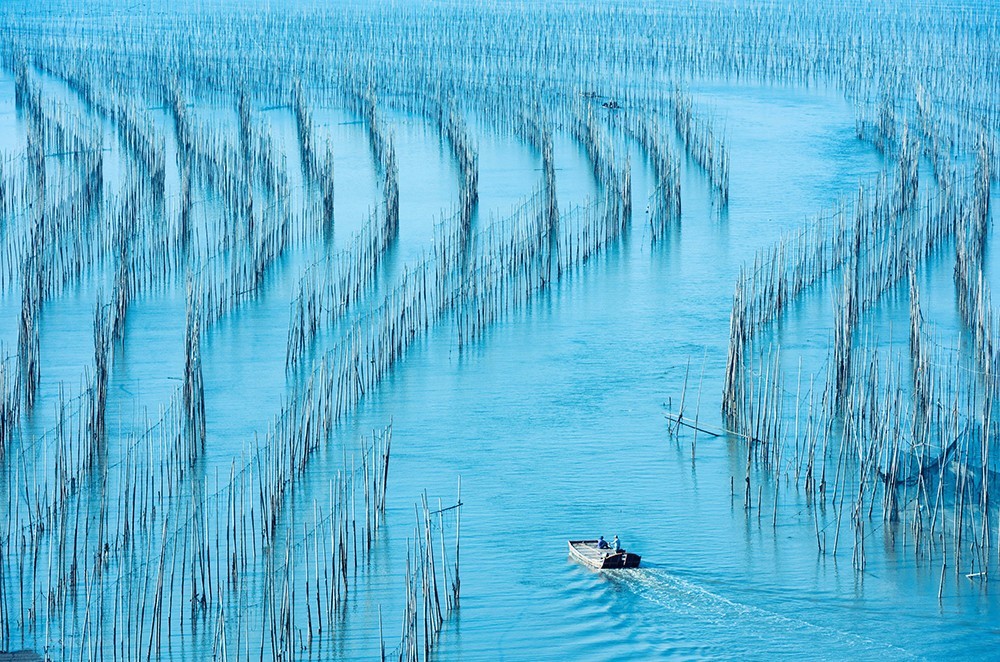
(911, 436)
(164, 538)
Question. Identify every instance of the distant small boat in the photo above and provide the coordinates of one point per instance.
(586, 551)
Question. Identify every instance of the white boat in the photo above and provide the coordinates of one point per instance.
(588, 553)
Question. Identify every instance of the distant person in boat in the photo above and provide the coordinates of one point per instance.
(616, 545)
(602, 543)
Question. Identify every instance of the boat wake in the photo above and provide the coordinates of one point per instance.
(746, 626)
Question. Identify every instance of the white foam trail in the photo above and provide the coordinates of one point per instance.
(680, 595)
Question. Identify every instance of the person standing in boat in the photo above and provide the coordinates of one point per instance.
(602, 543)
(616, 545)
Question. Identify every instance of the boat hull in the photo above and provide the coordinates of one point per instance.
(586, 552)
